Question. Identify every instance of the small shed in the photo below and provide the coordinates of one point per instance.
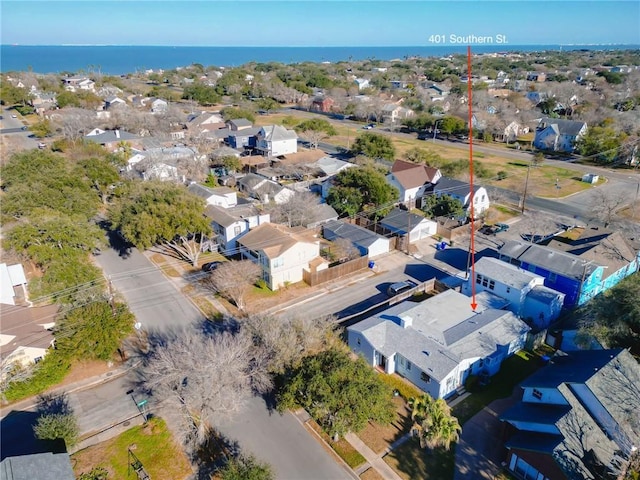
(368, 242)
(590, 178)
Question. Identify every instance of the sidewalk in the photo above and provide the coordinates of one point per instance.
(375, 461)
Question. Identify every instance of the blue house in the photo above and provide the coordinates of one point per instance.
(579, 270)
(245, 138)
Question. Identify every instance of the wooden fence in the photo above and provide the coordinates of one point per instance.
(331, 273)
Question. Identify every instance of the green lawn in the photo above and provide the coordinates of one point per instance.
(152, 444)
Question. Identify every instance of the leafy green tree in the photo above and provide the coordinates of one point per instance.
(102, 174)
(11, 95)
(602, 143)
(36, 179)
(340, 393)
(614, 78)
(452, 125)
(202, 94)
(267, 104)
(96, 473)
(434, 423)
(58, 426)
(374, 145)
(443, 206)
(419, 123)
(315, 130)
(231, 113)
(422, 155)
(245, 468)
(361, 189)
(230, 162)
(151, 213)
(94, 331)
(42, 129)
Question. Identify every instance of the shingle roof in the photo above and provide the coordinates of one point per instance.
(26, 326)
(358, 235)
(240, 122)
(402, 221)
(274, 133)
(200, 190)
(450, 186)
(505, 273)
(110, 136)
(412, 175)
(561, 263)
(561, 126)
(40, 466)
(272, 239)
(228, 216)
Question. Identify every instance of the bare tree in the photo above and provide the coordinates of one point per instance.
(538, 225)
(605, 205)
(298, 210)
(233, 280)
(285, 341)
(204, 378)
(187, 247)
(348, 250)
(73, 122)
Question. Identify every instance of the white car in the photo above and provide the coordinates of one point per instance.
(14, 116)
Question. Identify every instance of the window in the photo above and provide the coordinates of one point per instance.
(485, 282)
(408, 365)
(492, 284)
(478, 279)
(237, 230)
(508, 289)
(531, 268)
(553, 277)
(358, 341)
(37, 359)
(425, 378)
(537, 394)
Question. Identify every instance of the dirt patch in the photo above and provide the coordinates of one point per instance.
(379, 437)
(87, 369)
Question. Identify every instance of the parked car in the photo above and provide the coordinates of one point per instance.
(210, 266)
(501, 227)
(369, 127)
(42, 145)
(14, 116)
(399, 287)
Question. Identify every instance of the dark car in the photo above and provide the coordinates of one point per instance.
(399, 287)
(210, 266)
(501, 227)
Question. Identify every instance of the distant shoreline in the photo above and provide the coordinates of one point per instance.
(123, 59)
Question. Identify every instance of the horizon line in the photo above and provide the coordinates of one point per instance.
(502, 46)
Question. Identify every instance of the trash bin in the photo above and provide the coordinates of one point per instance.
(372, 264)
(443, 245)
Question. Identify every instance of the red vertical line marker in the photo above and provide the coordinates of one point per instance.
(472, 244)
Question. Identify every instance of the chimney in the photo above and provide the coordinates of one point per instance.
(406, 322)
(117, 133)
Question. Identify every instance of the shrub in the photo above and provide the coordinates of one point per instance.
(501, 175)
(50, 371)
(56, 426)
(404, 389)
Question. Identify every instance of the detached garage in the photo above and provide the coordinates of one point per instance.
(401, 222)
(368, 242)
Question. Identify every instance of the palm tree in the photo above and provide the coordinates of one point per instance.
(434, 423)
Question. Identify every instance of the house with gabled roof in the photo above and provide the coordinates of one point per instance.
(112, 139)
(282, 253)
(237, 124)
(367, 242)
(558, 135)
(12, 277)
(580, 271)
(276, 140)
(229, 224)
(241, 139)
(436, 344)
(402, 223)
(218, 196)
(412, 179)
(264, 189)
(462, 192)
(205, 122)
(41, 466)
(578, 418)
(525, 293)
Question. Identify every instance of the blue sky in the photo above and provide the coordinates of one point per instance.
(316, 22)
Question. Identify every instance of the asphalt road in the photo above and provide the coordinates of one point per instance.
(154, 300)
(281, 441)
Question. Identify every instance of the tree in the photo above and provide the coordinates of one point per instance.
(452, 125)
(94, 331)
(374, 145)
(358, 189)
(443, 206)
(56, 420)
(605, 205)
(245, 468)
(315, 130)
(102, 174)
(96, 473)
(603, 144)
(203, 378)
(229, 162)
(202, 94)
(231, 113)
(151, 213)
(267, 104)
(433, 422)
(286, 341)
(614, 318)
(233, 280)
(340, 393)
(300, 209)
(422, 155)
(42, 129)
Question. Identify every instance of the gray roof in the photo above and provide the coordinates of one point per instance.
(240, 122)
(37, 466)
(543, 294)
(450, 186)
(563, 127)
(358, 235)
(277, 132)
(110, 136)
(504, 273)
(229, 216)
(444, 330)
(542, 413)
(225, 151)
(200, 190)
(402, 221)
(561, 263)
(245, 132)
(331, 165)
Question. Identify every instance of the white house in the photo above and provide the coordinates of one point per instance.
(362, 83)
(229, 224)
(558, 135)
(275, 140)
(159, 106)
(462, 191)
(282, 253)
(528, 298)
(11, 276)
(392, 113)
(436, 344)
(73, 84)
(263, 189)
(368, 242)
(412, 179)
(402, 223)
(224, 197)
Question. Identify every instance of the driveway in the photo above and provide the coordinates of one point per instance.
(480, 451)
(283, 442)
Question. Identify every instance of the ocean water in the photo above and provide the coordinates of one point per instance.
(117, 60)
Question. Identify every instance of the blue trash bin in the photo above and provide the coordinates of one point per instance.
(372, 264)
(443, 245)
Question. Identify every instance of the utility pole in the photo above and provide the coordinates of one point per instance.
(526, 184)
(111, 296)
